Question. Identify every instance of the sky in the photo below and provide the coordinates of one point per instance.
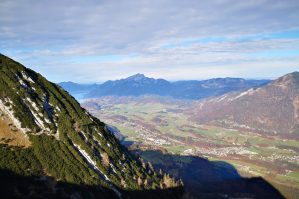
(94, 41)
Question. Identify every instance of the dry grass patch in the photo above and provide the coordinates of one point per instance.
(10, 135)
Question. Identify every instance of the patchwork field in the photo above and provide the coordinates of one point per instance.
(156, 124)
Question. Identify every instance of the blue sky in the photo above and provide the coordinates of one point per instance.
(94, 41)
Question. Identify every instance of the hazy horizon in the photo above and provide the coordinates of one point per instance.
(174, 80)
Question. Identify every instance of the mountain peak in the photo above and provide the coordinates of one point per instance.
(295, 75)
(137, 77)
(291, 79)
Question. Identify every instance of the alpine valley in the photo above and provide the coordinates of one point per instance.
(223, 137)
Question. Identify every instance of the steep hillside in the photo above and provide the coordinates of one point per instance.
(273, 108)
(64, 148)
(139, 84)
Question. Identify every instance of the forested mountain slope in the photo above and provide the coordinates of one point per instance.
(51, 147)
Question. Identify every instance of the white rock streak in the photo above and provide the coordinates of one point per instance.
(94, 166)
(248, 92)
(27, 77)
(87, 157)
(33, 104)
(9, 112)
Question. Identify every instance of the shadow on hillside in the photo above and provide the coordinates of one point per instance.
(202, 179)
(210, 179)
(18, 186)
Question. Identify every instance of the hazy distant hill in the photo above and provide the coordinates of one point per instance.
(75, 87)
(77, 90)
(273, 108)
(139, 84)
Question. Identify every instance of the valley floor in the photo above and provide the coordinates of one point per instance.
(165, 126)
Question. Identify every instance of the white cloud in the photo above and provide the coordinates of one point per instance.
(48, 36)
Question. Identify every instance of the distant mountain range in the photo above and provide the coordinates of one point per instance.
(139, 84)
(263, 106)
(273, 108)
